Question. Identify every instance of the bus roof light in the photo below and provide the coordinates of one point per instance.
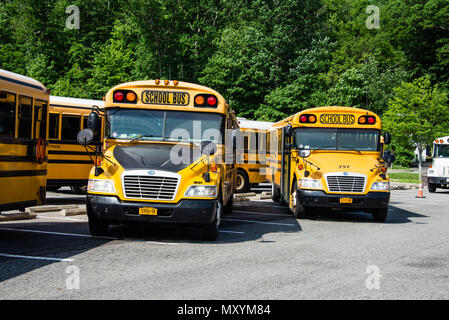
(312, 119)
(175, 82)
(371, 120)
(166, 82)
(441, 141)
(303, 118)
(199, 100)
(157, 81)
(211, 101)
(119, 96)
(131, 96)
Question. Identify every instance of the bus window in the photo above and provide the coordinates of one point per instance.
(25, 115)
(7, 114)
(53, 129)
(70, 127)
(40, 110)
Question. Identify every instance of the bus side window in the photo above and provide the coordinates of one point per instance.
(53, 128)
(7, 114)
(70, 127)
(40, 121)
(25, 117)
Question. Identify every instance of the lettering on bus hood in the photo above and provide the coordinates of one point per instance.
(151, 157)
(337, 118)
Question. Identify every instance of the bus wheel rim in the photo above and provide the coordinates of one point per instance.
(240, 182)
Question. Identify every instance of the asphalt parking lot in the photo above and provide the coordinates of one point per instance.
(262, 253)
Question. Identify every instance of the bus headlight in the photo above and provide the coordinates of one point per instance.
(201, 191)
(309, 184)
(380, 186)
(96, 185)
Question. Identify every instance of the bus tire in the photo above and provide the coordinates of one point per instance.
(299, 211)
(229, 205)
(431, 187)
(210, 230)
(97, 227)
(380, 215)
(275, 192)
(242, 184)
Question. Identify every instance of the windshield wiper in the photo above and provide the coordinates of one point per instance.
(349, 149)
(321, 147)
(142, 136)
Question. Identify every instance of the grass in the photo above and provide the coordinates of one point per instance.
(409, 177)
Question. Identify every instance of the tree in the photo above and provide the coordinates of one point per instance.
(416, 115)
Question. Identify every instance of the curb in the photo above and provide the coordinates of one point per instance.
(17, 216)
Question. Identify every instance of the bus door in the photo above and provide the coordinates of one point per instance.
(285, 165)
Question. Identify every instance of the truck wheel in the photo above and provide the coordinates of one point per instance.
(275, 192)
(242, 182)
(210, 230)
(380, 215)
(299, 210)
(97, 227)
(431, 187)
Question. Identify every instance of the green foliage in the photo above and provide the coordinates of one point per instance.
(269, 59)
(417, 114)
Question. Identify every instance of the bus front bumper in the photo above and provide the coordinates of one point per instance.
(318, 198)
(185, 211)
(438, 180)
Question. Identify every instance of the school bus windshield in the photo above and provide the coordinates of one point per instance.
(336, 139)
(158, 125)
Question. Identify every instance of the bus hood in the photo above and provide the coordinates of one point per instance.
(342, 161)
(153, 157)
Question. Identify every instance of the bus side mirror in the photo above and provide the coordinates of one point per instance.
(85, 137)
(388, 157)
(288, 130)
(387, 137)
(208, 147)
(93, 121)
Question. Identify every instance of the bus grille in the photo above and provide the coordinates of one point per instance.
(355, 184)
(150, 187)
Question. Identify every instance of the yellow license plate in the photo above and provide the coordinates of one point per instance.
(345, 200)
(148, 211)
(165, 97)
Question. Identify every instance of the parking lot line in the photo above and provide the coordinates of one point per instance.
(57, 233)
(262, 222)
(263, 213)
(34, 258)
(228, 231)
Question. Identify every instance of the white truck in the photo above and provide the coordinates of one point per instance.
(438, 173)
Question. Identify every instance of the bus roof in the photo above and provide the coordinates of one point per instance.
(77, 102)
(444, 139)
(15, 78)
(294, 119)
(140, 86)
(253, 124)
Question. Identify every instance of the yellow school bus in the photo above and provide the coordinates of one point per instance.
(251, 169)
(23, 139)
(330, 157)
(68, 162)
(164, 157)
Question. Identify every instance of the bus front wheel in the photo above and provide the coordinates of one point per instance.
(299, 210)
(97, 227)
(380, 215)
(210, 230)
(275, 192)
(431, 187)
